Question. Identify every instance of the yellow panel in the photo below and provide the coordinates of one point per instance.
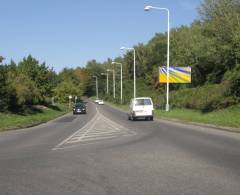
(176, 74)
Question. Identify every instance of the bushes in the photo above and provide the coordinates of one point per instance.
(25, 84)
(210, 46)
(4, 97)
(66, 88)
(233, 80)
(205, 98)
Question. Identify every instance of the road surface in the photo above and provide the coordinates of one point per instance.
(104, 153)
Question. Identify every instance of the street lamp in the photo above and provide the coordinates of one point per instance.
(134, 70)
(96, 85)
(121, 76)
(112, 70)
(107, 79)
(148, 8)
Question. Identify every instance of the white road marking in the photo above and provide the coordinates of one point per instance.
(77, 132)
(98, 128)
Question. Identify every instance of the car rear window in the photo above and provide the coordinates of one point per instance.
(80, 105)
(142, 102)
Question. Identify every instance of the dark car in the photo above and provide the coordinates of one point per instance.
(79, 108)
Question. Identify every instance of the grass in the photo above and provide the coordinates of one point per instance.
(13, 121)
(229, 117)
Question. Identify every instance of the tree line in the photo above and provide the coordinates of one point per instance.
(210, 46)
(30, 82)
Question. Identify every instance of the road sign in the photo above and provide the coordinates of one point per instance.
(176, 74)
(70, 97)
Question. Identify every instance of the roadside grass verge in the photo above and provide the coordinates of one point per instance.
(228, 117)
(36, 116)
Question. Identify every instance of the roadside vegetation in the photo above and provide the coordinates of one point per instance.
(29, 86)
(210, 46)
(31, 83)
(31, 116)
(228, 117)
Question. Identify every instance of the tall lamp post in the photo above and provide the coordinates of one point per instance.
(96, 85)
(147, 8)
(134, 68)
(107, 79)
(121, 77)
(112, 70)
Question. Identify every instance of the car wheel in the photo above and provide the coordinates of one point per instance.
(151, 118)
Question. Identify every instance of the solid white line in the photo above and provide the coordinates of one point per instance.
(68, 138)
(96, 139)
(103, 134)
(90, 132)
(90, 128)
(111, 124)
(65, 140)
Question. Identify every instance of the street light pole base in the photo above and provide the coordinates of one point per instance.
(167, 107)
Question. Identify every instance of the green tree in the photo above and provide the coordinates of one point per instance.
(66, 88)
(1, 59)
(4, 95)
(44, 79)
(222, 24)
(26, 91)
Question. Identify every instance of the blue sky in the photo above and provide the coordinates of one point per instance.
(68, 33)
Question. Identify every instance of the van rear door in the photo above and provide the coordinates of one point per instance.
(143, 106)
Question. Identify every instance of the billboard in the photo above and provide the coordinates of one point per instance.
(176, 74)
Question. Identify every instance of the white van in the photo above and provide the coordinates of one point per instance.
(141, 107)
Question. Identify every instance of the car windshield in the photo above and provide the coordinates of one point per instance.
(142, 102)
(79, 105)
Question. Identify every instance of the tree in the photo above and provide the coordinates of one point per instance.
(222, 24)
(1, 59)
(4, 97)
(44, 79)
(66, 88)
(26, 91)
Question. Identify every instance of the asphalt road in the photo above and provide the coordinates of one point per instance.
(104, 153)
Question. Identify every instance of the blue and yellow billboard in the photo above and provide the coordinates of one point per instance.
(176, 74)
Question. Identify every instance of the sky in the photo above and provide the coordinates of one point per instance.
(69, 33)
